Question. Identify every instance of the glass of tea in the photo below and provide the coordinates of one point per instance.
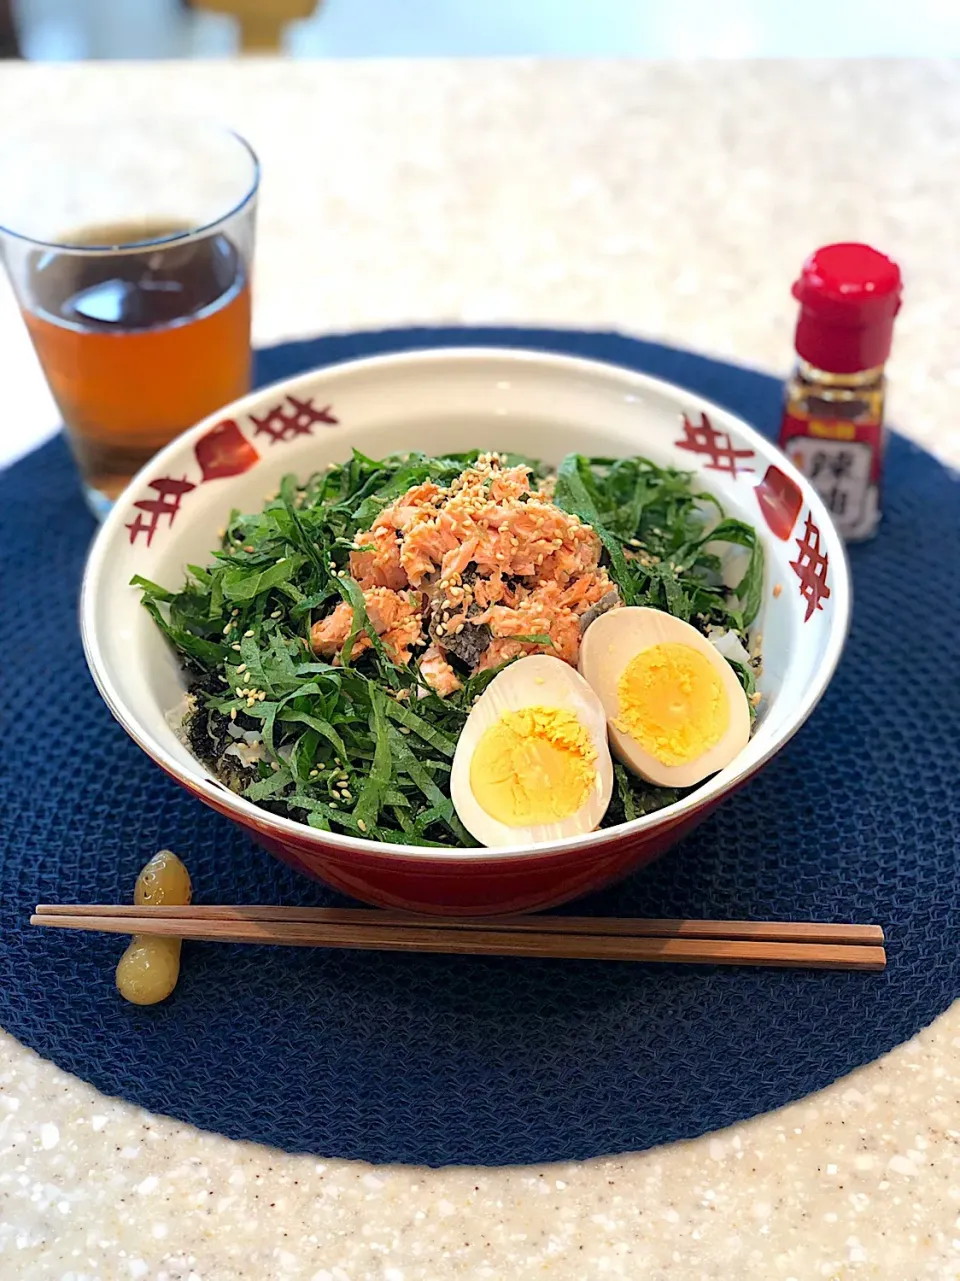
(129, 245)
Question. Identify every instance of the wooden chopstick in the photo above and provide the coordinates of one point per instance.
(807, 944)
(633, 927)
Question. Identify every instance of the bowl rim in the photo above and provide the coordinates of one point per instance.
(204, 784)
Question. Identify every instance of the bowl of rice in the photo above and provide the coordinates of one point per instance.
(295, 608)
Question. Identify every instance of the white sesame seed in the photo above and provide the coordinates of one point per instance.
(242, 667)
(247, 635)
(233, 713)
(361, 824)
(334, 805)
(234, 613)
(236, 646)
(274, 765)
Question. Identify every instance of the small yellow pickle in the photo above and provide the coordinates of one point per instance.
(149, 968)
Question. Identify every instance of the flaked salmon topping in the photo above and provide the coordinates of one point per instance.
(473, 571)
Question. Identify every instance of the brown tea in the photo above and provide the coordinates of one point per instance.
(138, 344)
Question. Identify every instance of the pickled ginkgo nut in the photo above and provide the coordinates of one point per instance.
(149, 968)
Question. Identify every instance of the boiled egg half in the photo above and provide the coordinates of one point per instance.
(532, 762)
(675, 709)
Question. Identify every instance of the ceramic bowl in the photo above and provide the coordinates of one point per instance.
(457, 399)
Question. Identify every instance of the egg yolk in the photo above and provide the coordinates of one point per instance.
(533, 766)
(672, 702)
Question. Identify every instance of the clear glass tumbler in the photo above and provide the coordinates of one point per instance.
(129, 245)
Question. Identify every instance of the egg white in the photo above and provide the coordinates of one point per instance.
(611, 642)
(536, 681)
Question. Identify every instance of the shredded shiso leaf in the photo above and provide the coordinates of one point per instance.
(365, 747)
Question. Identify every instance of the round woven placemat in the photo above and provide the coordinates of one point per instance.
(437, 1060)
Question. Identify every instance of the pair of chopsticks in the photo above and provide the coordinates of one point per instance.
(586, 938)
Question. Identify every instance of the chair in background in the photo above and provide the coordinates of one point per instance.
(9, 43)
(262, 22)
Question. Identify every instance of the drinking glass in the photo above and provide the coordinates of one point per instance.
(129, 244)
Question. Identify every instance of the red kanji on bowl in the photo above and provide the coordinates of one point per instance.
(292, 418)
(224, 451)
(780, 501)
(811, 568)
(718, 446)
(170, 492)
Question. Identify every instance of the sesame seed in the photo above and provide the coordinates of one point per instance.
(274, 765)
(226, 630)
(313, 773)
(242, 667)
(361, 824)
(334, 805)
(247, 635)
(236, 646)
(233, 713)
(248, 547)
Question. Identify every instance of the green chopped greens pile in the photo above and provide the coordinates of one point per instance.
(365, 747)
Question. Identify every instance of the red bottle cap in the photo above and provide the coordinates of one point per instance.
(849, 296)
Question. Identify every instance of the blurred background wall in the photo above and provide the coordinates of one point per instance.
(77, 29)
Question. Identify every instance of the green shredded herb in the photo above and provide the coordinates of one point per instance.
(364, 746)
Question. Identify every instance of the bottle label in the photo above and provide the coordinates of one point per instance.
(843, 461)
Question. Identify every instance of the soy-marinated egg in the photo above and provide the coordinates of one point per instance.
(532, 762)
(149, 968)
(675, 709)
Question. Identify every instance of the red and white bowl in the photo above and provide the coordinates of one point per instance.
(436, 401)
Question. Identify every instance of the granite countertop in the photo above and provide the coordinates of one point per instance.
(675, 201)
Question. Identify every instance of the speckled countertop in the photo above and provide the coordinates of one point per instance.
(675, 201)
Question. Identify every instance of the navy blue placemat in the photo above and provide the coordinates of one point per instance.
(429, 1059)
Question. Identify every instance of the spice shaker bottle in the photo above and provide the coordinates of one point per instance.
(832, 426)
